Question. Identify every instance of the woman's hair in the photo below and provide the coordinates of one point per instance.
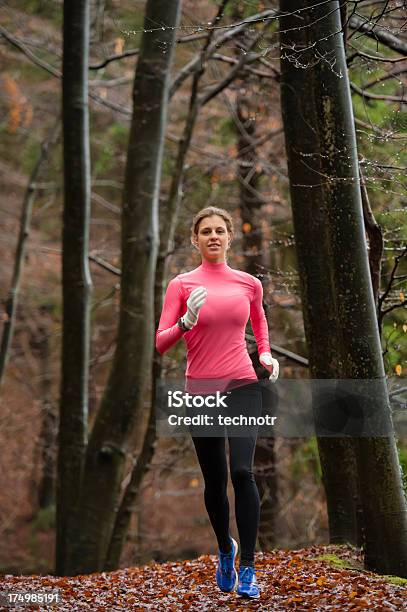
(208, 212)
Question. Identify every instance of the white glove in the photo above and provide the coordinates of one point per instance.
(194, 303)
(271, 365)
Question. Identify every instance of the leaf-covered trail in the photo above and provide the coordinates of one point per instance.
(289, 580)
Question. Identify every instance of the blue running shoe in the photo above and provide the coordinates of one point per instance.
(247, 586)
(226, 575)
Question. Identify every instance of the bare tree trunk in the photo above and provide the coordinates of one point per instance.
(97, 9)
(339, 314)
(48, 435)
(250, 204)
(24, 231)
(131, 494)
(305, 164)
(76, 278)
(124, 401)
(167, 231)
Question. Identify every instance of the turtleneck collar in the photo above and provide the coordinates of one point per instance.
(214, 267)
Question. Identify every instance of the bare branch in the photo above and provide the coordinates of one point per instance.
(374, 233)
(375, 58)
(114, 58)
(214, 44)
(385, 134)
(11, 303)
(104, 264)
(386, 77)
(372, 96)
(390, 308)
(379, 34)
(384, 295)
(244, 59)
(233, 60)
(22, 47)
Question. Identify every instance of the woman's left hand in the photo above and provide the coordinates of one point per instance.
(271, 365)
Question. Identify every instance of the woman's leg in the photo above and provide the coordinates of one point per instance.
(212, 459)
(247, 499)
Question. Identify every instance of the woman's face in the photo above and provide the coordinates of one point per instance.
(213, 238)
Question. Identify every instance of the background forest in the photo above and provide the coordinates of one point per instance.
(235, 159)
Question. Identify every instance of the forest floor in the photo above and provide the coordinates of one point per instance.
(315, 578)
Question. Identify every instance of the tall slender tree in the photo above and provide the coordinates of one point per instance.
(11, 302)
(76, 280)
(256, 259)
(123, 403)
(305, 166)
(338, 304)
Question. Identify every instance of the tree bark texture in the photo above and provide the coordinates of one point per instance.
(339, 311)
(76, 280)
(126, 395)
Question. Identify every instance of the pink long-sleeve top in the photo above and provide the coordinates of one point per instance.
(216, 346)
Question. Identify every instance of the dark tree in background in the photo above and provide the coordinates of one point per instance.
(124, 400)
(256, 261)
(256, 258)
(301, 94)
(76, 281)
(338, 303)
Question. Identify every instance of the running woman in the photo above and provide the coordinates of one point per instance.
(209, 307)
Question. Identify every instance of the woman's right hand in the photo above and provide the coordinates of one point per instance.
(194, 303)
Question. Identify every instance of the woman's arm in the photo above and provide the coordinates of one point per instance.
(258, 319)
(260, 329)
(168, 332)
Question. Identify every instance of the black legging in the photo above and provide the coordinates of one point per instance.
(211, 454)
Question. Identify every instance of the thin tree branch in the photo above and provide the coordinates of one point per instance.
(390, 308)
(12, 300)
(374, 233)
(380, 132)
(371, 96)
(175, 194)
(104, 264)
(232, 60)
(214, 44)
(114, 58)
(375, 58)
(384, 295)
(386, 77)
(244, 59)
(36, 60)
(381, 35)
